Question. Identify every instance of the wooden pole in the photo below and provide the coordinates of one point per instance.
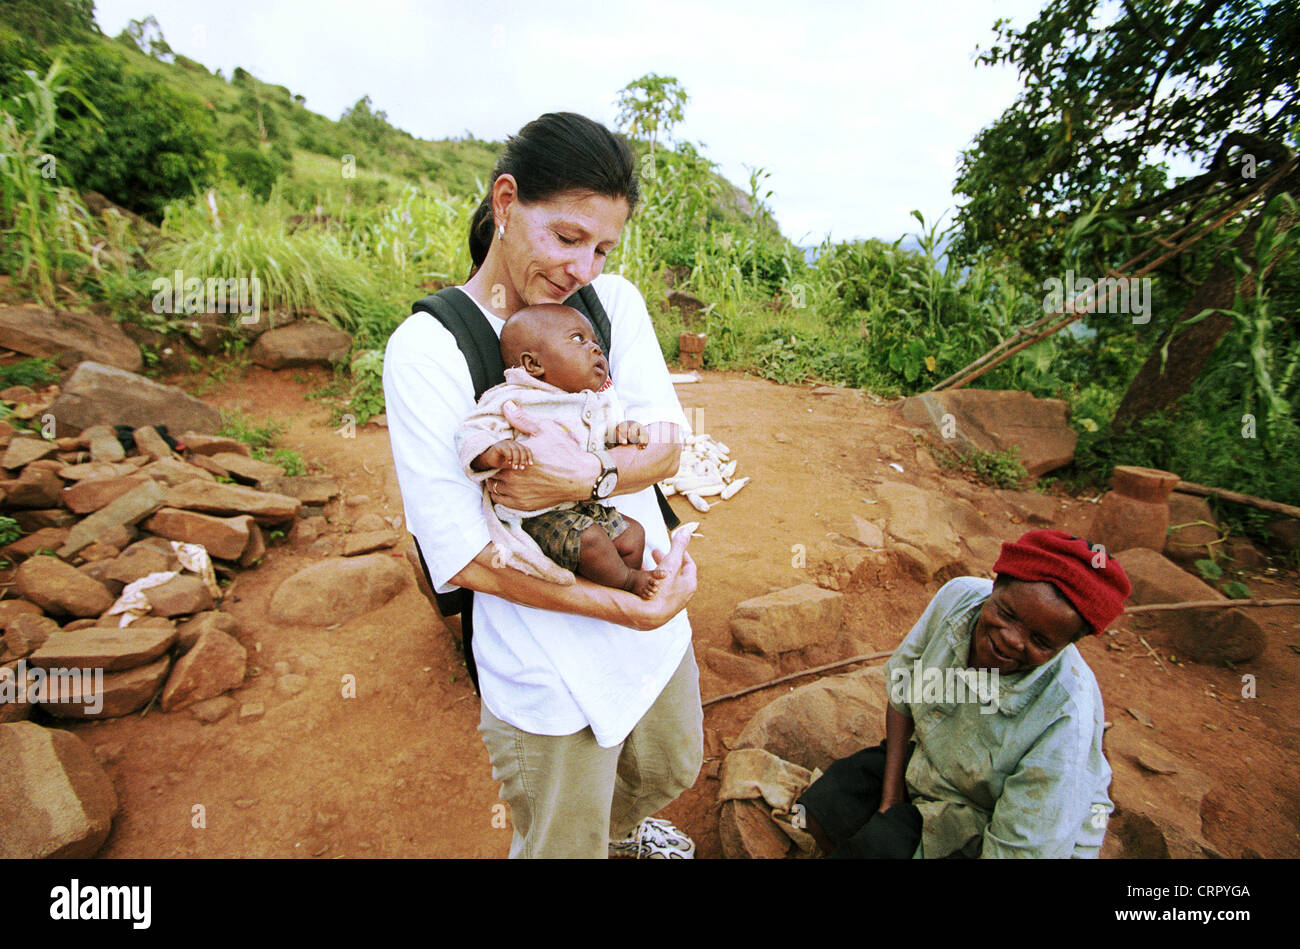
(797, 675)
(1210, 604)
(1188, 487)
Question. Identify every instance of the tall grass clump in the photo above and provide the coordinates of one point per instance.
(49, 234)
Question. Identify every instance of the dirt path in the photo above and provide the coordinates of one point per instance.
(400, 771)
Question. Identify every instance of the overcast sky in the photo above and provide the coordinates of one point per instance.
(858, 109)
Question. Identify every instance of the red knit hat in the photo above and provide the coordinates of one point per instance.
(1093, 582)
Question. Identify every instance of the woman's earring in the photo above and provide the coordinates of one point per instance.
(501, 231)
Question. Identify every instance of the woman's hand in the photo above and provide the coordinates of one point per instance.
(675, 591)
(561, 470)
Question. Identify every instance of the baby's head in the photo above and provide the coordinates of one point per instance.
(556, 344)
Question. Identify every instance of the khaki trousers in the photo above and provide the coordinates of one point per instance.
(569, 797)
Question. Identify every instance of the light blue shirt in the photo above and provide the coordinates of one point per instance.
(1018, 773)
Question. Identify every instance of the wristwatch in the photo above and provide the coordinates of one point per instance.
(607, 480)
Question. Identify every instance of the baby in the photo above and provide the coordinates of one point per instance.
(556, 370)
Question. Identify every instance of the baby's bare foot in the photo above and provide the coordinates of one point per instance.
(645, 583)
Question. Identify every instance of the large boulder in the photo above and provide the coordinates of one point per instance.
(338, 589)
(1158, 799)
(110, 648)
(55, 798)
(1210, 634)
(786, 620)
(69, 337)
(1192, 529)
(233, 499)
(998, 420)
(216, 663)
(822, 721)
(96, 394)
(121, 693)
(222, 537)
(301, 344)
(137, 503)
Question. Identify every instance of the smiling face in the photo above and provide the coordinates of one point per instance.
(557, 345)
(553, 247)
(1022, 626)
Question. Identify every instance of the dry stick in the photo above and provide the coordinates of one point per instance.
(1209, 604)
(1188, 487)
(795, 675)
(968, 373)
(1154, 655)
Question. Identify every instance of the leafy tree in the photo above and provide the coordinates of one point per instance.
(370, 125)
(150, 144)
(651, 105)
(46, 22)
(1073, 171)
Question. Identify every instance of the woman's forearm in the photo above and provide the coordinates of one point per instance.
(898, 732)
(640, 467)
(583, 597)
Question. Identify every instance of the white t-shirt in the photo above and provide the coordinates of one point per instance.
(544, 672)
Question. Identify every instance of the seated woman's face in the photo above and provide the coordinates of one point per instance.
(1021, 626)
(553, 247)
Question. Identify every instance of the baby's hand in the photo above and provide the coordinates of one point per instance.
(506, 453)
(631, 433)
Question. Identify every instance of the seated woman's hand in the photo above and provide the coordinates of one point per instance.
(561, 470)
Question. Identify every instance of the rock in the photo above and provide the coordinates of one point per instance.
(1031, 507)
(338, 589)
(304, 531)
(23, 451)
(208, 465)
(997, 420)
(364, 543)
(301, 344)
(137, 561)
(55, 798)
(1193, 531)
(215, 664)
(109, 648)
(96, 570)
(213, 709)
(1285, 533)
(746, 831)
(90, 495)
(867, 533)
(247, 470)
(928, 522)
(69, 337)
(290, 684)
(1157, 815)
(1211, 634)
(180, 596)
(251, 712)
(1243, 553)
(34, 520)
(309, 489)
(194, 627)
(99, 394)
(59, 588)
(149, 442)
(200, 444)
(47, 538)
(25, 633)
(135, 505)
(230, 499)
(172, 472)
(105, 449)
(98, 551)
(35, 488)
(224, 537)
(787, 620)
(369, 522)
(9, 609)
(822, 721)
(123, 693)
(256, 547)
(96, 469)
(748, 670)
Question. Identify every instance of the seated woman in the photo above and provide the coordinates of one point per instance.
(958, 775)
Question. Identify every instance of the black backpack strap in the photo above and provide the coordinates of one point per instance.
(586, 302)
(475, 338)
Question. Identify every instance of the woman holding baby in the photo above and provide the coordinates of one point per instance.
(590, 695)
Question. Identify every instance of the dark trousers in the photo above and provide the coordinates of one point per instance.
(845, 801)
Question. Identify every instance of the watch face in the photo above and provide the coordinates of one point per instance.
(605, 486)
